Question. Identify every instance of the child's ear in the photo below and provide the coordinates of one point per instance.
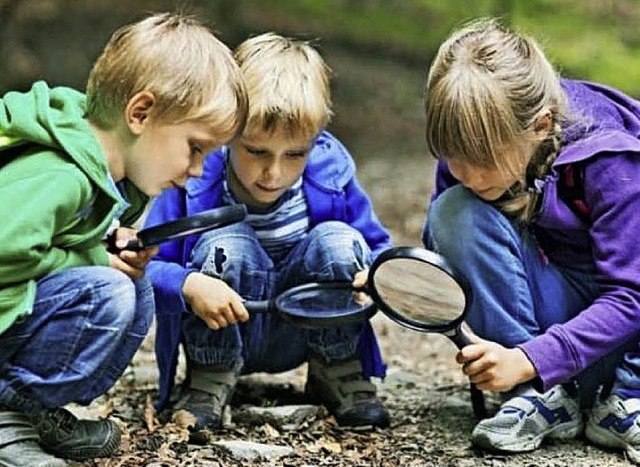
(138, 110)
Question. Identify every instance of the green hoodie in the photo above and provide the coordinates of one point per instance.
(56, 203)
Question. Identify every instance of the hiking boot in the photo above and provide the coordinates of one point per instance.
(351, 398)
(64, 435)
(19, 443)
(615, 423)
(524, 421)
(209, 393)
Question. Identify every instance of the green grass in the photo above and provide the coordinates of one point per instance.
(591, 39)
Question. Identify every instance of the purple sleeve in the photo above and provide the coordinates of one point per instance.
(612, 191)
(443, 179)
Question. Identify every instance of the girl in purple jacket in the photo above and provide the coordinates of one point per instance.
(536, 202)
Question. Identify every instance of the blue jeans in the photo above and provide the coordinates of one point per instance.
(331, 251)
(517, 293)
(86, 325)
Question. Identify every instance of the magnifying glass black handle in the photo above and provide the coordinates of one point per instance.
(260, 306)
(461, 339)
(132, 245)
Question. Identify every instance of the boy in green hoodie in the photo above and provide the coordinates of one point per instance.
(74, 168)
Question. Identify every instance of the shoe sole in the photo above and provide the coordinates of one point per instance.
(559, 432)
(603, 437)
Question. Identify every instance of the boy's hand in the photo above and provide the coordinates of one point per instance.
(360, 280)
(132, 263)
(217, 304)
(493, 367)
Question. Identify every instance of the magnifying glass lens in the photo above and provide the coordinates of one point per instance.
(419, 293)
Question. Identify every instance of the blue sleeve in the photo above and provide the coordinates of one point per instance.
(362, 217)
(167, 270)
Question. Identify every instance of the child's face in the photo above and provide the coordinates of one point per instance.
(490, 183)
(264, 165)
(487, 183)
(164, 155)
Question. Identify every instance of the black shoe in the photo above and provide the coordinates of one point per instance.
(63, 435)
(19, 443)
(347, 395)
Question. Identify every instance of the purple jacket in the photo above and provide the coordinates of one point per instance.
(332, 192)
(603, 141)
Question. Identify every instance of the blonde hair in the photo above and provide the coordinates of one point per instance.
(287, 82)
(189, 71)
(486, 89)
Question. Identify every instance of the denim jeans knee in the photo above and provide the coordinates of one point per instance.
(234, 254)
(492, 252)
(331, 251)
(95, 317)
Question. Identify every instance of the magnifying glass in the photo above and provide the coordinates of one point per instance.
(317, 305)
(414, 287)
(190, 225)
(419, 290)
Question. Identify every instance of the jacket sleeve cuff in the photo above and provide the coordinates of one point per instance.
(551, 357)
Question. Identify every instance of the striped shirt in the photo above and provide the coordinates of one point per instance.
(283, 226)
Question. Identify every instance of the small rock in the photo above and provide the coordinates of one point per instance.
(285, 417)
(246, 450)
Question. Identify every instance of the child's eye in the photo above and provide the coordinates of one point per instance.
(297, 154)
(196, 149)
(257, 152)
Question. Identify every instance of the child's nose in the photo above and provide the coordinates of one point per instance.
(273, 169)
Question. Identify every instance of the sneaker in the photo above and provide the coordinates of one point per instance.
(524, 421)
(64, 435)
(614, 423)
(207, 397)
(351, 398)
(19, 443)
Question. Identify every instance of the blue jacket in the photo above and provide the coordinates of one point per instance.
(332, 192)
(602, 141)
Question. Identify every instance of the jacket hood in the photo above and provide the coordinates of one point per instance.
(52, 118)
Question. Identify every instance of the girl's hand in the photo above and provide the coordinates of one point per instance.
(493, 367)
(132, 263)
(217, 304)
(360, 280)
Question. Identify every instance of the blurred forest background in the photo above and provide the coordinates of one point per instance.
(379, 51)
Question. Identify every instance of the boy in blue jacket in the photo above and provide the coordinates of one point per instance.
(309, 220)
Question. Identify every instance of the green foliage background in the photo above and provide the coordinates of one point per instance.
(592, 39)
(379, 50)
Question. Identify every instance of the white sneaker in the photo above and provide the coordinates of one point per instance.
(525, 420)
(615, 423)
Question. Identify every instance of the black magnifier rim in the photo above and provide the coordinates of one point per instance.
(433, 259)
(311, 321)
(189, 225)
